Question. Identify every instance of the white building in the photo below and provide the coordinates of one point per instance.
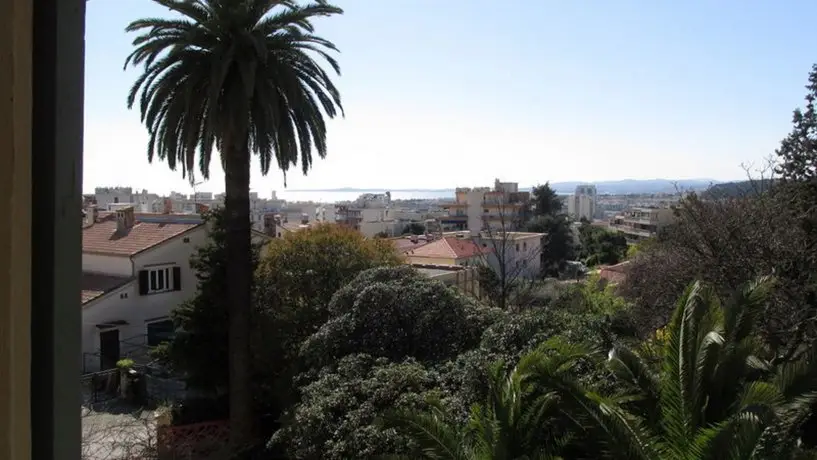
(135, 271)
(475, 209)
(112, 195)
(582, 204)
(520, 252)
(639, 223)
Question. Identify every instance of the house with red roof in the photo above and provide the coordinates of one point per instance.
(449, 250)
(135, 270)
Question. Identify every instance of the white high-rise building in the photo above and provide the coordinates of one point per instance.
(582, 204)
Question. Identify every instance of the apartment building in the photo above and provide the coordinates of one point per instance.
(478, 208)
(370, 214)
(582, 204)
(638, 223)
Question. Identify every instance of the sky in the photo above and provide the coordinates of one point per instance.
(451, 93)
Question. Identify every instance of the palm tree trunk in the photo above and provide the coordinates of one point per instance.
(239, 283)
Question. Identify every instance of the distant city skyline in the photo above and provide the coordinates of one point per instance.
(472, 92)
(624, 186)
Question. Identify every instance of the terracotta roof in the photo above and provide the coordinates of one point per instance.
(615, 273)
(449, 248)
(404, 244)
(102, 237)
(95, 284)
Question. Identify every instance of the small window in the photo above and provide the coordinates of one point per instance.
(186, 239)
(517, 247)
(524, 246)
(525, 263)
(159, 331)
(486, 210)
(116, 199)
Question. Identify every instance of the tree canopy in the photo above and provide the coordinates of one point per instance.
(600, 246)
(546, 202)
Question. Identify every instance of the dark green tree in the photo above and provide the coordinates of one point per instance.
(199, 346)
(545, 201)
(798, 151)
(558, 247)
(337, 417)
(415, 317)
(240, 76)
(414, 228)
(600, 246)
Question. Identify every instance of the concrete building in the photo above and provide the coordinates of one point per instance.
(466, 279)
(135, 270)
(475, 209)
(582, 204)
(520, 252)
(105, 196)
(640, 223)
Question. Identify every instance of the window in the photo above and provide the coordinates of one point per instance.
(486, 210)
(517, 247)
(116, 199)
(524, 245)
(161, 279)
(159, 331)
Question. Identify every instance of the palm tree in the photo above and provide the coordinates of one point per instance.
(713, 398)
(515, 422)
(241, 76)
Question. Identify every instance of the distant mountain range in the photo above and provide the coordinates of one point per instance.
(626, 186)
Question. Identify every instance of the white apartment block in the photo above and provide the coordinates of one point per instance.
(582, 204)
(639, 223)
(475, 209)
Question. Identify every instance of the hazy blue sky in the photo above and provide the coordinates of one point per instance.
(458, 92)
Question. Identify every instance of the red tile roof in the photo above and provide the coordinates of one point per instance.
(615, 273)
(95, 285)
(449, 248)
(404, 244)
(102, 237)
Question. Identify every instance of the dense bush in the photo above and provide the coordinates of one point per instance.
(338, 413)
(397, 313)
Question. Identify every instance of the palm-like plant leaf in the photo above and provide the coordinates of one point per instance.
(234, 74)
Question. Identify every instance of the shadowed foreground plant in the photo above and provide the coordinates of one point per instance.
(713, 397)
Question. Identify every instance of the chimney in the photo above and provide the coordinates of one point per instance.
(91, 215)
(125, 219)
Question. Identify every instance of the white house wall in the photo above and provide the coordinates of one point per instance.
(110, 265)
(125, 304)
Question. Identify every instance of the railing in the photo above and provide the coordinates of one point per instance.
(134, 347)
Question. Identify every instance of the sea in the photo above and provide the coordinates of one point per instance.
(334, 196)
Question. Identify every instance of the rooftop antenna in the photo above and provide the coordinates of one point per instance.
(195, 184)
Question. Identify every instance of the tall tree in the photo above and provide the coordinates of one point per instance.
(558, 245)
(545, 201)
(798, 151)
(240, 76)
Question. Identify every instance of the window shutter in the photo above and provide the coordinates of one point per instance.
(143, 282)
(177, 278)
